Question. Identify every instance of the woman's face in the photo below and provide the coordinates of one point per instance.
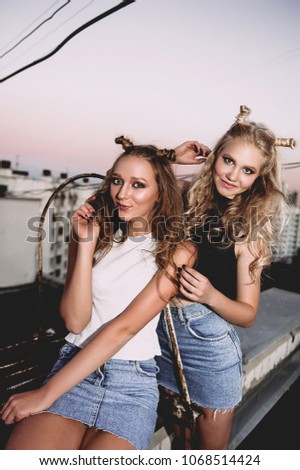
(134, 190)
(237, 167)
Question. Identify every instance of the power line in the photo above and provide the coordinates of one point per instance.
(35, 29)
(121, 5)
(41, 191)
(32, 23)
(273, 61)
(290, 166)
(49, 34)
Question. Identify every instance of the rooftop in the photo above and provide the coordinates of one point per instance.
(32, 333)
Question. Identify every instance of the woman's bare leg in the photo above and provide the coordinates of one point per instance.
(100, 440)
(46, 431)
(213, 429)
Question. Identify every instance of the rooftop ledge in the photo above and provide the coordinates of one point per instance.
(271, 363)
(271, 354)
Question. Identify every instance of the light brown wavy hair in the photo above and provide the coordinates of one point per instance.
(254, 216)
(166, 224)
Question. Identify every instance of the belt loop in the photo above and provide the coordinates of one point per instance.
(100, 375)
(181, 315)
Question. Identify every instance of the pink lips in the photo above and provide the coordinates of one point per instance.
(123, 207)
(227, 185)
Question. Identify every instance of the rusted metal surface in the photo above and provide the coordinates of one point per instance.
(40, 232)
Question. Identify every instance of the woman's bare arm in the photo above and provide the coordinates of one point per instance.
(146, 305)
(76, 301)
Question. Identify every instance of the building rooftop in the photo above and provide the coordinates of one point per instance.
(32, 333)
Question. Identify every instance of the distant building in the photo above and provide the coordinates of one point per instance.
(291, 236)
(22, 201)
(294, 198)
(18, 259)
(290, 242)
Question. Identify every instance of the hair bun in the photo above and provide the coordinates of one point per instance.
(167, 153)
(126, 143)
(241, 118)
(280, 142)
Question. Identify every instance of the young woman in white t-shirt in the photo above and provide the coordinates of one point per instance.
(102, 392)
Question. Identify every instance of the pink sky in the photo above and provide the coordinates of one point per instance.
(157, 71)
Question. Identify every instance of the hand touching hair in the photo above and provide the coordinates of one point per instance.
(166, 225)
(128, 146)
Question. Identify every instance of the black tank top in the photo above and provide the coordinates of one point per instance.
(216, 261)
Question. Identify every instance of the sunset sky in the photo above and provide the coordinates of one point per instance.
(157, 71)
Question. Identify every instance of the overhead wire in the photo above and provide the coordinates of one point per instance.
(273, 61)
(121, 5)
(35, 29)
(291, 163)
(290, 166)
(30, 24)
(49, 34)
(41, 191)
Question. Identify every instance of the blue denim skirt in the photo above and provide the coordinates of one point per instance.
(210, 353)
(120, 397)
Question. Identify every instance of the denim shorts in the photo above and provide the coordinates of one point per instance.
(120, 397)
(210, 353)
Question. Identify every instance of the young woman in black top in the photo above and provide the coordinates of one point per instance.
(233, 213)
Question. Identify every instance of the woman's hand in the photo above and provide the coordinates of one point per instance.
(24, 404)
(194, 286)
(191, 152)
(84, 221)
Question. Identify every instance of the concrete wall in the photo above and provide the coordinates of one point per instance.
(18, 257)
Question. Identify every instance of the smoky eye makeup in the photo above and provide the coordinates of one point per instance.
(138, 185)
(227, 159)
(115, 181)
(249, 171)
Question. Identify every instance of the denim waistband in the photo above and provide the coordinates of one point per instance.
(187, 312)
(197, 311)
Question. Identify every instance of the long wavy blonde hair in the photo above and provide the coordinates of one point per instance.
(254, 216)
(166, 223)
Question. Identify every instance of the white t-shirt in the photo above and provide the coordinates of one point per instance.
(116, 280)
